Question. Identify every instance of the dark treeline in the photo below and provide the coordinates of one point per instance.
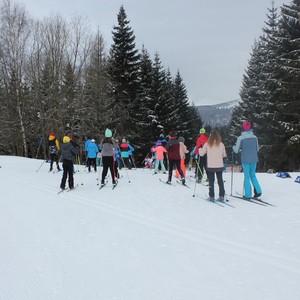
(270, 92)
(57, 76)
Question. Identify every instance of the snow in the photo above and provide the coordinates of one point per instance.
(145, 239)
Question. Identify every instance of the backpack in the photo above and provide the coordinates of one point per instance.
(52, 146)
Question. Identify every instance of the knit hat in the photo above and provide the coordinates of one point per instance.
(202, 130)
(161, 136)
(66, 139)
(246, 126)
(52, 133)
(181, 139)
(172, 134)
(123, 140)
(92, 140)
(108, 133)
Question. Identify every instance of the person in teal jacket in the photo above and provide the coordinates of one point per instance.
(92, 151)
(124, 149)
(247, 145)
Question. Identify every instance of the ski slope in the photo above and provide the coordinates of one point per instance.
(144, 240)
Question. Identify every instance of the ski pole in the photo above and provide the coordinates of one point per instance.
(124, 164)
(99, 170)
(133, 161)
(80, 169)
(40, 166)
(145, 158)
(38, 150)
(231, 181)
(197, 176)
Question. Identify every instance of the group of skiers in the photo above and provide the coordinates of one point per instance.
(112, 156)
(209, 153)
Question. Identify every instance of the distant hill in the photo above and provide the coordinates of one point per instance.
(217, 115)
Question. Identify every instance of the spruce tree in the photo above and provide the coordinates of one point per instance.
(289, 103)
(123, 75)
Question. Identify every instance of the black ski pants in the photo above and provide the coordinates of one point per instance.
(108, 163)
(211, 179)
(172, 163)
(67, 173)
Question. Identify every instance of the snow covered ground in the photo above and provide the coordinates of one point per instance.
(144, 240)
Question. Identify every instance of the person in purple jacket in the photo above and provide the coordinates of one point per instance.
(247, 145)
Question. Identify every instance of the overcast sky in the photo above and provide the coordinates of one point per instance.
(208, 41)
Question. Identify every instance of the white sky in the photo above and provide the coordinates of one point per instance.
(209, 42)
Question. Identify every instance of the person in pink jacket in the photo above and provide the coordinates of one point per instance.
(183, 151)
(159, 150)
(215, 151)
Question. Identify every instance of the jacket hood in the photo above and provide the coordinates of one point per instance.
(248, 133)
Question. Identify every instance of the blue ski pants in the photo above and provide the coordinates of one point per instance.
(250, 177)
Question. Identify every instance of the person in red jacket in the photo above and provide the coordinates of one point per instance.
(173, 148)
(202, 161)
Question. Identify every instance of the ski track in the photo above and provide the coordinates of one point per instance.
(160, 225)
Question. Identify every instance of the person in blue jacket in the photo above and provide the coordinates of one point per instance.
(92, 151)
(247, 145)
(130, 153)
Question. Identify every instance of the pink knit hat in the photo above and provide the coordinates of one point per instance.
(246, 126)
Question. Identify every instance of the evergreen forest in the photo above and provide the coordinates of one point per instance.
(58, 76)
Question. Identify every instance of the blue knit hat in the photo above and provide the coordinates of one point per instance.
(202, 130)
(108, 133)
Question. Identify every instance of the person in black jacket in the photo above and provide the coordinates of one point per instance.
(53, 146)
(68, 153)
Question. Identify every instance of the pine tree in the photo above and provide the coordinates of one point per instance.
(144, 105)
(289, 63)
(123, 74)
(184, 124)
(157, 94)
(95, 116)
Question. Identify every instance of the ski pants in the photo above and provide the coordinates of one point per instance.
(182, 166)
(68, 168)
(172, 163)
(159, 162)
(92, 162)
(108, 163)
(211, 180)
(250, 177)
(202, 161)
(54, 158)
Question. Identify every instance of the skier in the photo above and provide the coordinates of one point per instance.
(183, 151)
(107, 147)
(54, 146)
(174, 156)
(68, 153)
(124, 149)
(92, 151)
(202, 161)
(130, 153)
(247, 144)
(163, 142)
(87, 141)
(159, 151)
(215, 151)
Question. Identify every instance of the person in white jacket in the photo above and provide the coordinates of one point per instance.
(216, 152)
(183, 151)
